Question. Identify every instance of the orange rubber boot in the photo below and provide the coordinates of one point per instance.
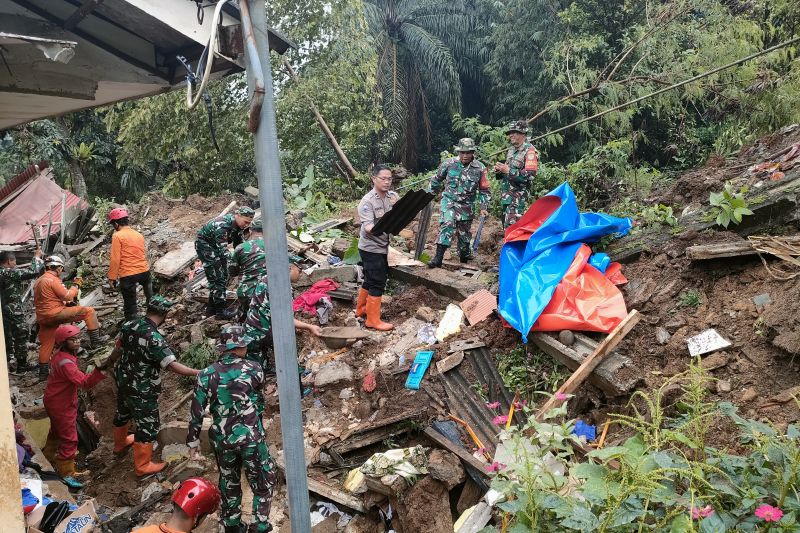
(121, 439)
(142, 459)
(374, 315)
(361, 306)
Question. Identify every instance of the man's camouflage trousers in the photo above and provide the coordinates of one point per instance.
(455, 218)
(16, 335)
(140, 407)
(515, 203)
(215, 265)
(260, 471)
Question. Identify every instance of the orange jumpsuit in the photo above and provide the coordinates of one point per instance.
(50, 298)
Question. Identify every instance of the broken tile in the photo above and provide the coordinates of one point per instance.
(479, 306)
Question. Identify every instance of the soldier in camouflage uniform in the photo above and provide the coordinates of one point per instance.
(12, 288)
(247, 261)
(516, 174)
(144, 353)
(258, 326)
(461, 178)
(212, 249)
(231, 388)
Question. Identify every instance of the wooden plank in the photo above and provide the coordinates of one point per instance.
(385, 422)
(462, 454)
(328, 224)
(329, 492)
(720, 250)
(362, 440)
(296, 246)
(591, 362)
(174, 263)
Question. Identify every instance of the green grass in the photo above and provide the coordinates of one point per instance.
(690, 298)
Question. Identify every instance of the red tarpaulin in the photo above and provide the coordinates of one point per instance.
(33, 204)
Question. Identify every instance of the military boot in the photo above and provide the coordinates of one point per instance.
(439, 257)
(465, 256)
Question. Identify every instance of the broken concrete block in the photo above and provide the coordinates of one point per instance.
(342, 274)
(333, 372)
(446, 467)
(175, 433)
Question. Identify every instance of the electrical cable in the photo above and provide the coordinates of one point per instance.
(210, 51)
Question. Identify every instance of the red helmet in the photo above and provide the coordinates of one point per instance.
(197, 497)
(117, 213)
(66, 331)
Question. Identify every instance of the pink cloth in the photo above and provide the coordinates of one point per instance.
(308, 300)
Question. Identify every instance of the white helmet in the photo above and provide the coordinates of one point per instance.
(54, 260)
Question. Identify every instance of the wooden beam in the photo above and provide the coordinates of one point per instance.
(81, 13)
(462, 454)
(591, 362)
(720, 250)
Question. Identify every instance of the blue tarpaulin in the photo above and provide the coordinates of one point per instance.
(540, 248)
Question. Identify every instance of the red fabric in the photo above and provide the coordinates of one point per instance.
(61, 400)
(308, 300)
(534, 217)
(584, 300)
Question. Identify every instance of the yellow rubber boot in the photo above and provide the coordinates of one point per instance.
(50, 448)
(142, 459)
(374, 315)
(121, 439)
(361, 306)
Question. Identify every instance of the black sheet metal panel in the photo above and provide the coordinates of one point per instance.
(403, 212)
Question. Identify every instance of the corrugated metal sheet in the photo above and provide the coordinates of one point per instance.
(21, 178)
(33, 204)
(403, 212)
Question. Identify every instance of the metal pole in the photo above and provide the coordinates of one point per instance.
(277, 258)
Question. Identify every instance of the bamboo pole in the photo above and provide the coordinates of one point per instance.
(324, 126)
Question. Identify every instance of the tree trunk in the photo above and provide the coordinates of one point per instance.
(77, 179)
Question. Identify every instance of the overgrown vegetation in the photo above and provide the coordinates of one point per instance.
(665, 477)
(729, 205)
(528, 372)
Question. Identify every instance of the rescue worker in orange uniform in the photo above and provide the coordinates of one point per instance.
(128, 266)
(61, 402)
(195, 499)
(50, 298)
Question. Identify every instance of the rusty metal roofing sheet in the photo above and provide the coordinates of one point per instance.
(20, 179)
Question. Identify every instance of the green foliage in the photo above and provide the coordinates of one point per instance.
(729, 205)
(691, 298)
(102, 206)
(653, 480)
(199, 355)
(528, 373)
(351, 256)
(658, 215)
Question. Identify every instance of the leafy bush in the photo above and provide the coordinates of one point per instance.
(663, 478)
(658, 215)
(729, 206)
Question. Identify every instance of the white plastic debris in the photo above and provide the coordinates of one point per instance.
(451, 322)
(706, 342)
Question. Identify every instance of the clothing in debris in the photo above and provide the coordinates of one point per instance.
(61, 404)
(50, 298)
(145, 353)
(12, 289)
(515, 187)
(211, 246)
(307, 301)
(231, 388)
(460, 185)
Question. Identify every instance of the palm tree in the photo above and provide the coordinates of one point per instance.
(423, 49)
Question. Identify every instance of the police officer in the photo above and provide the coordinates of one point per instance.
(212, 249)
(12, 288)
(461, 178)
(231, 388)
(516, 174)
(374, 249)
(144, 353)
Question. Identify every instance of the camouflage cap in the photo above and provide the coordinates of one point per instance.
(246, 212)
(519, 126)
(465, 145)
(159, 304)
(256, 225)
(232, 337)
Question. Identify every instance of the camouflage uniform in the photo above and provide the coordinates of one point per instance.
(248, 261)
(231, 388)
(515, 187)
(12, 289)
(144, 353)
(460, 186)
(258, 325)
(211, 246)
